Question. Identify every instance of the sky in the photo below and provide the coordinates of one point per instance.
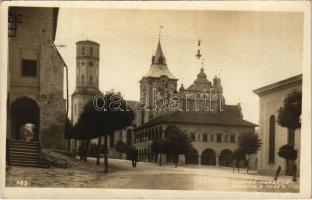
(247, 50)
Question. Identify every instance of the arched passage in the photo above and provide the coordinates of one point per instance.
(24, 110)
(191, 157)
(225, 158)
(208, 157)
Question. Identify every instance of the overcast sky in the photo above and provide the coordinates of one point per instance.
(252, 49)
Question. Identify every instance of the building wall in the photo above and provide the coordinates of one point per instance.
(269, 105)
(198, 143)
(34, 41)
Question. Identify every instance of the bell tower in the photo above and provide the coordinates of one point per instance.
(157, 81)
(87, 76)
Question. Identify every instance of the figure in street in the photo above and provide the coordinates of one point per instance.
(134, 156)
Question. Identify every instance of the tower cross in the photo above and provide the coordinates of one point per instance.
(159, 34)
(219, 72)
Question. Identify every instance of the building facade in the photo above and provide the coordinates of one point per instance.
(272, 134)
(200, 112)
(35, 76)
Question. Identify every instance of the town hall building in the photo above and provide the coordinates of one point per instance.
(213, 126)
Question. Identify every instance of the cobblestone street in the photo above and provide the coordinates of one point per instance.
(147, 176)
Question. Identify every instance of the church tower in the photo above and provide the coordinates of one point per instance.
(87, 76)
(157, 81)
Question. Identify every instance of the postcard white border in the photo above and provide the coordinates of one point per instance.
(69, 193)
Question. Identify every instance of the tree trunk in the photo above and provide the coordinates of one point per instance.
(291, 137)
(287, 167)
(81, 149)
(87, 150)
(75, 148)
(105, 155)
(176, 160)
(98, 151)
(247, 165)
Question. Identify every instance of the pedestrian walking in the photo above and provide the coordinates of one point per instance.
(134, 156)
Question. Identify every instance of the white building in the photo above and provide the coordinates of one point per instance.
(274, 136)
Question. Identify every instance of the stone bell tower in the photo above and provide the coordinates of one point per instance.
(157, 81)
(87, 76)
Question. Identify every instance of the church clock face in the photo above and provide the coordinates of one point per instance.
(163, 80)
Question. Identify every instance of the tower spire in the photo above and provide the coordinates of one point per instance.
(159, 57)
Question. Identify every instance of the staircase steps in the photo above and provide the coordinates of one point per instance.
(27, 154)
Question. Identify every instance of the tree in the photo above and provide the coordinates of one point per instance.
(114, 115)
(68, 132)
(289, 114)
(288, 152)
(177, 143)
(249, 143)
(289, 117)
(158, 147)
(122, 147)
(87, 127)
(238, 155)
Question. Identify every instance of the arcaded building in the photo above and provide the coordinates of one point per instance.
(35, 76)
(213, 126)
(274, 136)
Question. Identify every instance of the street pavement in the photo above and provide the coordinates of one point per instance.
(147, 176)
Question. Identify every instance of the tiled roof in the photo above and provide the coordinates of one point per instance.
(159, 66)
(223, 118)
(87, 91)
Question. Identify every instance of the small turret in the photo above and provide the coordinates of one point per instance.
(181, 88)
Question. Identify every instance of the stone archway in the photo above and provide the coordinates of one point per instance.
(208, 157)
(191, 157)
(24, 110)
(225, 158)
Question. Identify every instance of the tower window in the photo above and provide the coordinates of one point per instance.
(29, 68)
(82, 50)
(232, 139)
(91, 51)
(205, 137)
(218, 138)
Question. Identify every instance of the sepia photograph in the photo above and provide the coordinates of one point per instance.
(156, 98)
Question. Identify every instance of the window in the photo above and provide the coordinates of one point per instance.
(90, 80)
(232, 139)
(218, 138)
(82, 79)
(211, 138)
(82, 63)
(205, 137)
(29, 68)
(82, 50)
(91, 51)
(91, 64)
(192, 137)
(272, 140)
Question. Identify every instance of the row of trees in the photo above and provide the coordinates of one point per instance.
(95, 123)
(175, 143)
